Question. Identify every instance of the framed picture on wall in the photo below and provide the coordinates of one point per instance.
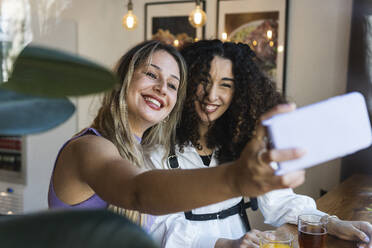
(169, 21)
(262, 25)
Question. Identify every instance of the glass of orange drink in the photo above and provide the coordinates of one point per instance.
(276, 239)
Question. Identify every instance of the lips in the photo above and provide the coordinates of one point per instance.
(153, 102)
(210, 108)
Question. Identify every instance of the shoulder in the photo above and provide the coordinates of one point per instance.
(90, 148)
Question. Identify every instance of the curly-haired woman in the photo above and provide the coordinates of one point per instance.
(227, 96)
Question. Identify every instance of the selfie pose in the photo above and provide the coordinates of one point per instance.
(227, 96)
(103, 166)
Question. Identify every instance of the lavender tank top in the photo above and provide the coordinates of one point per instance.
(93, 202)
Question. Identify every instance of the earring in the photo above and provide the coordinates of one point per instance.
(166, 119)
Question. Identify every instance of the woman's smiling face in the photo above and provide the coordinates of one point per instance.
(152, 93)
(219, 93)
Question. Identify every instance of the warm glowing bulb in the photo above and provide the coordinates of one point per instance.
(130, 20)
(197, 17)
(254, 43)
(280, 48)
(176, 43)
(224, 36)
(9, 212)
(271, 43)
(196, 39)
(269, 34)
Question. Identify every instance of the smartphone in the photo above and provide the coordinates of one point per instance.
(326, 130)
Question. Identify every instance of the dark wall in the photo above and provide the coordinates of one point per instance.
(360, 78)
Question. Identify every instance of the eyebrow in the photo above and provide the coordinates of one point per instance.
(157, 67)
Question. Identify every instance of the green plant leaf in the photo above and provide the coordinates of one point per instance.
(51, 73)
(24, 114)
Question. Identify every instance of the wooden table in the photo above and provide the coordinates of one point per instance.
(349, 201)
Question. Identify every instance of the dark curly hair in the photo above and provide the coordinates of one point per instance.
(254, 94)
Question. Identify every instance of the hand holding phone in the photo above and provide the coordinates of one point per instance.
(326, 130)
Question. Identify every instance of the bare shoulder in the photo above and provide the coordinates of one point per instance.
(92, 145)
(88, 153)
(82, 158)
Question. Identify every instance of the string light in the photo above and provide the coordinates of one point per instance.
(280, 48)
(269, 34)
(197, 17)
(130, 20)
(224, 36)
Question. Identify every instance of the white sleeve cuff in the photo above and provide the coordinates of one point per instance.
(283, 206)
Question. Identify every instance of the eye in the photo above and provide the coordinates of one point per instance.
(150, 74)
(172, 86)
(226, 85)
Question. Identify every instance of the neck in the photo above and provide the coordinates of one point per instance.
(136, 127)
(203, 129)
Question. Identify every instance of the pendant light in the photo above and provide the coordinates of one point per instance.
(130, 20)
(197, 17)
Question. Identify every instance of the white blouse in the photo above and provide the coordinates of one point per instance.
(174, 230)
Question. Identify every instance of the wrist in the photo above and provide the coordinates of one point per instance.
(232, 178)
(330, 220)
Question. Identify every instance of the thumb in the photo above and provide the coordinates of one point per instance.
(360, 235)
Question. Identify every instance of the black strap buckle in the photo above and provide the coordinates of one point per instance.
(172, 162)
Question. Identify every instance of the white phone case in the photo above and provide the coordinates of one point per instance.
(326, 130)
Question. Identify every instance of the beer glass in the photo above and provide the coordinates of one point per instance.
(276, 239)
(312, 231)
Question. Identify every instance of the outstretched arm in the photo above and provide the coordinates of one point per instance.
(99, 168)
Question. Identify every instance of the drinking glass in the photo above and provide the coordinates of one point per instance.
(312, 231)
(276, 239)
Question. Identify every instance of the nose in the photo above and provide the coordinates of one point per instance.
(212, 92)
(161, 87)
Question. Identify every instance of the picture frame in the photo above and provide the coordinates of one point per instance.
(262, 24)
(172, 18)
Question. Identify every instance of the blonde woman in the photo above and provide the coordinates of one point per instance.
(103, 166)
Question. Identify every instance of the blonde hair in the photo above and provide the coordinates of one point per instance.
(112, 118)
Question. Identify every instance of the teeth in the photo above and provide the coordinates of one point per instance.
(210, 107)
(154, 101)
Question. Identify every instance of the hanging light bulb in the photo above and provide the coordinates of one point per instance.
(130, 20)
(224, 36)
(197, 17)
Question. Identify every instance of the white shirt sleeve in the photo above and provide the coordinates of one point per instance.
(174, 231)
(283, 206)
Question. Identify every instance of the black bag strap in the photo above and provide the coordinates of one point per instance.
(239, 208)
(236, 209)
(172, 160)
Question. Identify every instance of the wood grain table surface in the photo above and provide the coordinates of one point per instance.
(350, 200)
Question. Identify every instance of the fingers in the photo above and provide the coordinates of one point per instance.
(254, 236)
(251, 239)
(365, 232)
(260, 131)
(279, 109)
(290, 180)
(282, 155)
(294, 179)
(364, 245)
